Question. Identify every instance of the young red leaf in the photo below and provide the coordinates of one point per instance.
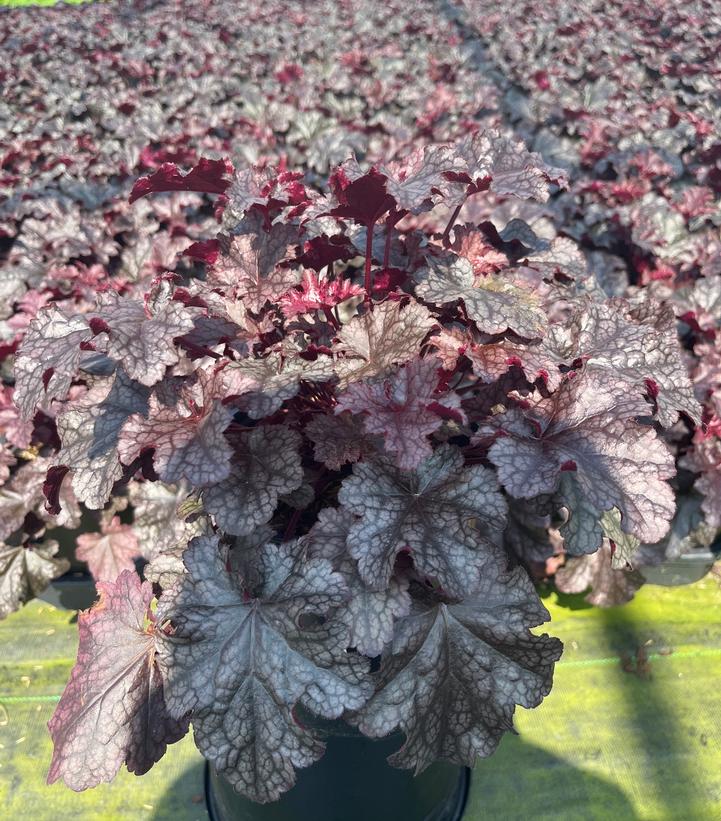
(209, 176)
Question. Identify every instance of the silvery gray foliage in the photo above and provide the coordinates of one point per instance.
(444, 655)
(26, 571)
(446, 515)
(89, 433)
(266, 465)
(494, 303)
(242, 664)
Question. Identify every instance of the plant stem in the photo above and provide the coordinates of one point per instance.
(369, 252)
(451, 221)
(390, 222)
(292, 525)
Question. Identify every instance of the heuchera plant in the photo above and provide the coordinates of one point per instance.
(640, 143)
(356, 418)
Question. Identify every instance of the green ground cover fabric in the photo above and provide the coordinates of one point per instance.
(642, 742)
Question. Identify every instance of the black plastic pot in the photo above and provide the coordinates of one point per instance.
(352, 782)
(73, 591)
(685, 569)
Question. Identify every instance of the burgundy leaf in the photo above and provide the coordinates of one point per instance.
(208, 176)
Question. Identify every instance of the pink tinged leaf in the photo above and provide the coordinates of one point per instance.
(265, 465)
(48, 359)
(470, 243)
(25, 571)
(372, 343)
(110, 552)
(705, 459)
(488, 159)
(248, 187)
(24, 493)
(89, 431)
(249, 262)
(208, 176)
(619, 463)
(493, 302)
(608, 587)
(316, 293)
(703, 303)
(450, 345)
(141, 340)
(242, 664)
(457, 672)
(537, 361)
(17, 431)
(401, 408)
(448, 517)
(638, 344)
(188, 442)
(7, 460)
(562, 257)
(113, 708)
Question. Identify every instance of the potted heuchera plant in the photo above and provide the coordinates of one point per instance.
(353, 416)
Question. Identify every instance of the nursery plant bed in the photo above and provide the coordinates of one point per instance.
(642, 742)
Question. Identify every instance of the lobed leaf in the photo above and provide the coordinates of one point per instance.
(113, 708)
